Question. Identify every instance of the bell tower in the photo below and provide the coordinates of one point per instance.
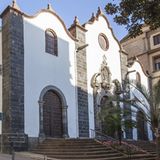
(13, 77)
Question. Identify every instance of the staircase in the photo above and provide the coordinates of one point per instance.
(150, 147)
(82, 149)
(77, 149)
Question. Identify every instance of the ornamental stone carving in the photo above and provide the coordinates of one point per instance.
(103, 78)
(117, 87)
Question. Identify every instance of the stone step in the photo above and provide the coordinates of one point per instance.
(71, 147)
(141, 155)
(84, 149)
(74, 149)
(70, 144)
(149, 147)
(76, 140)
(107, 158)
(115, 155)
(76, 153)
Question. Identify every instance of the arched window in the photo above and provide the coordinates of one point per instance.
(51, 42)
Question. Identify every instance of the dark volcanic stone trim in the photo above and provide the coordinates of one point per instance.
(13, 73)
(82, 93)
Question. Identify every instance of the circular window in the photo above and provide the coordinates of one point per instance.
(103, 41)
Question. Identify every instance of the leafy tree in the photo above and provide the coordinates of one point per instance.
(134, 13)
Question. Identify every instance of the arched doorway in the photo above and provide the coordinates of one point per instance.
(53, 113)
(141, 126)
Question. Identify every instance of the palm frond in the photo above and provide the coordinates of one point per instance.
(142, 89)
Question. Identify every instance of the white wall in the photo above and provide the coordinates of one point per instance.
(0, 80)
(144, 80)
(43, 69)
(95, 57)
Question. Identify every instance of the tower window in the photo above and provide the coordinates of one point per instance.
(51, 42)
(156, 39)
(156, 63)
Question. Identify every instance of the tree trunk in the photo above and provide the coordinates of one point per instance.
(120, 136)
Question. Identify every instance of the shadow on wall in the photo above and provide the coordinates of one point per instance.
(59, 72)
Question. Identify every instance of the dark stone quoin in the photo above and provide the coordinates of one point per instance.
(13, 79)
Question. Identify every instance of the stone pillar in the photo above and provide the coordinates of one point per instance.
(96, 110)
(65, 121)
(78, 32)
(41, 131)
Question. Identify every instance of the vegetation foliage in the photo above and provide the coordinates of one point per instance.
(114, 119)
(135, 13)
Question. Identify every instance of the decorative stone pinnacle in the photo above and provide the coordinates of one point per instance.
(93, 15)
(99, 11)
(49, 7)
(76, 21)
(14, 5)
(92, 19)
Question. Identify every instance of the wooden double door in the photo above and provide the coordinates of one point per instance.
(52, 115)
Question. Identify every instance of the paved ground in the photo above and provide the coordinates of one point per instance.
(21, 156)
(24, 156)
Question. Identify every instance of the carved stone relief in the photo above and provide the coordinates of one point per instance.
(103, 86)
(102, 80)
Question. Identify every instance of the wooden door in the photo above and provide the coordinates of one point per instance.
(52, 115)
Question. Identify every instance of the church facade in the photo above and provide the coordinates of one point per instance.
(54, 79)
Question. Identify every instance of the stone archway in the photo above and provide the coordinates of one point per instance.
(53, 113)
(99, 100)
(141, 126)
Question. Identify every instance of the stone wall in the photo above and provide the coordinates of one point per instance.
(82, 93)
(13, 74)
(142, 46)
(135, 46)
(83, 118)
(0, 78)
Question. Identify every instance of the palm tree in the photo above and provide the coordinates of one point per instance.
(151, 103)
(149, 99)
(112, 117)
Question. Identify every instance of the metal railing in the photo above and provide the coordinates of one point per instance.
(101, 136)
(129, 149)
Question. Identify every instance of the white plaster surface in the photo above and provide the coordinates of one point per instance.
(43, 69)
(95, 57)
(144, 80)
(0, 80)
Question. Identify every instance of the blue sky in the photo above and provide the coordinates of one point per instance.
(67, 10)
